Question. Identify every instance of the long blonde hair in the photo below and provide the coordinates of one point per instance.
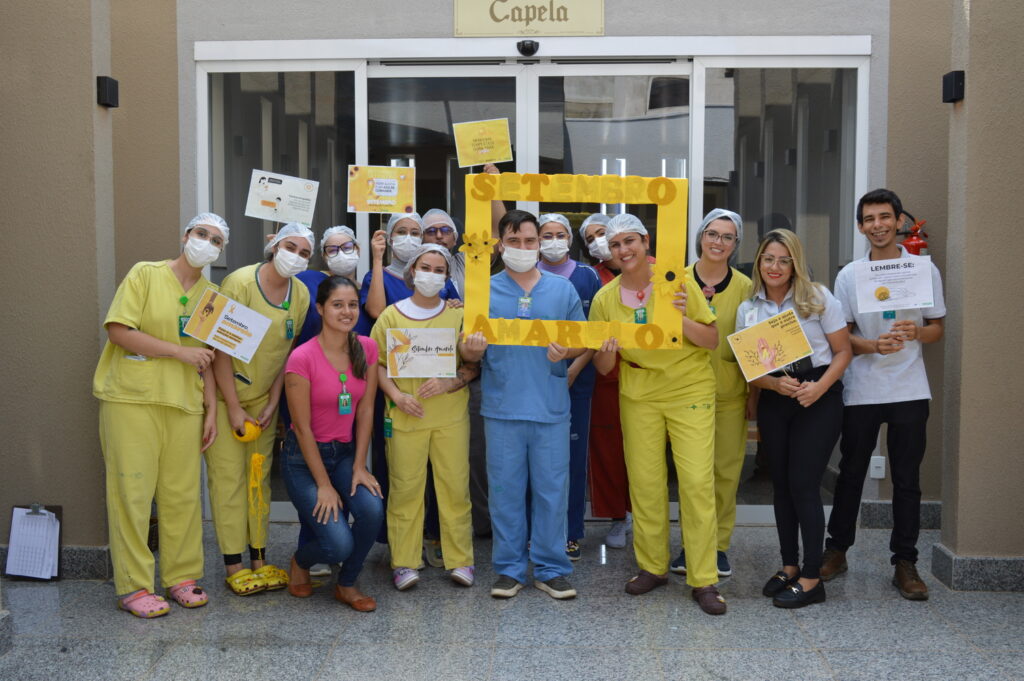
(806, 298)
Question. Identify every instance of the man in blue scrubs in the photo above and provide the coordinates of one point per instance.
(526, 414)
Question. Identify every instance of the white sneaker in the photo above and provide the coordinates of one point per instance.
(320, 570)
(616, 537)
(464, 575)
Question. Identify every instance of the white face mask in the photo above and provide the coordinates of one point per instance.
(404, 246)
(599, 249)
(200, 253)
(428, 284)
(519, 259)
(554, 249)
(343, 264)
(289, 264)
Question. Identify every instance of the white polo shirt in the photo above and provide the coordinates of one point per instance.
(816, 327)
(884, 379)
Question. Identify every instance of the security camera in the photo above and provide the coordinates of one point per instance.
(528, 48)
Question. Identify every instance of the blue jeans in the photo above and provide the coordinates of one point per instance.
(335, 541)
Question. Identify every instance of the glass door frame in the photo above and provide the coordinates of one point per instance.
(689, 56)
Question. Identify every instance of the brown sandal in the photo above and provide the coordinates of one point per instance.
(709, 600)
(645, 581)
(364, 604)
(304, 590)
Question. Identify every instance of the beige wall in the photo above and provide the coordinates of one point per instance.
(56, 169)
(984, 466)
(146, 177)
(918, 159)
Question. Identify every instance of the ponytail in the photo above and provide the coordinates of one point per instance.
(356, 355)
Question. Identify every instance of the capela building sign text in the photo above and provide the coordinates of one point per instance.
(499, 18)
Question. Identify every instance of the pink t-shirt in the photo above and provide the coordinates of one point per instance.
(308, 360)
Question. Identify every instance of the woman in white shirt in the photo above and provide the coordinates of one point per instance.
(799, 411)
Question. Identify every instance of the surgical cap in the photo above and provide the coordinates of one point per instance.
(340, 229)
(210, 220)
(556, 217)
(624, 222)
(436, 216)
(395, 217)
(291, 229)
(596, 218)
(407, 273)
(718, 214)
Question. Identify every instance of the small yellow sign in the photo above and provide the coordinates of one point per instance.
(381, 189)
(769, 345)
(504, 18)
(480, 142)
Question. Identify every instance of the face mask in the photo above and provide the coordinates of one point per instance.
(428, 284)
(599, 249)
(343, 264)
(289, 264)
(519, 259)
(554, 250)
(200, 253)
(404, 246)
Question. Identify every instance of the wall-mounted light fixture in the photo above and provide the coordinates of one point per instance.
(953, 87)
(106, 92)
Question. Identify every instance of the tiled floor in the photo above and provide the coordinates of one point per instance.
(438, 631)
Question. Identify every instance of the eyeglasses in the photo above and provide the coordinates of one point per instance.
(444, 230)
(713, 236)
(347, 247)
(203, 234)
(770, 260)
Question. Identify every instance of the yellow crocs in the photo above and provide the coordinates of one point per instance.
(272, 576)
(245, 583)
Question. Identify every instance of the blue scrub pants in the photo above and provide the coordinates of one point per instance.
(578, 440)
(521, 455)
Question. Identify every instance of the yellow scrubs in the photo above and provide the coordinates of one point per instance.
(668, 392)
(730, 406)
(151, 424)
(440, 437)
(227, 459)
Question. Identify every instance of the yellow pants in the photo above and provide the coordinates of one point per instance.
(730, 448)
(447, 449)
(690, 425)
(152, 451)
(227, 476)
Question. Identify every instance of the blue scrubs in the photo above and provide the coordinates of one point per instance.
(526, 410)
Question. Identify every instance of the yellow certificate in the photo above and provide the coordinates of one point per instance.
(480, 142)
(227, 325)
(769, 345)
(381, 189)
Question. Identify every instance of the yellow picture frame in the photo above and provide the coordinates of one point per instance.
(665, 328)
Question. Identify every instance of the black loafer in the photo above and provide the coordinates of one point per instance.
(779, 581)
(795, 597)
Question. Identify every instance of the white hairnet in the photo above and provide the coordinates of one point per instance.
(624, 222)
(331, 231)
(555, 217)
(395, 217)
(209, 220)
(291, 229)
(598, 218)
(436, 216)
(718, 214)
(407, 273)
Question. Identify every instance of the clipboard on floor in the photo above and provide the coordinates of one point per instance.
(33, 548)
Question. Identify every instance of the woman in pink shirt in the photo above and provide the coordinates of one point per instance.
(323, 460)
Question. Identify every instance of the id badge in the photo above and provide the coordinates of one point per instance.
(289, 329)
(640, 315)
(524, 306)
(344, 404)
(889, 314)
(182, 321)
(387, 426)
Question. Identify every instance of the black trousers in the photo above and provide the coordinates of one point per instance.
(799, 441)
(906, 444)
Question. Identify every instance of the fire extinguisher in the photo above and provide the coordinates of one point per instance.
(914, 243)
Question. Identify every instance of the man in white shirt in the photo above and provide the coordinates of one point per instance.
(885, 383)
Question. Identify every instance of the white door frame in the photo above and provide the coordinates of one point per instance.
(482, 57)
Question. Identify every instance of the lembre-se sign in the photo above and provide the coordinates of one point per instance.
(504, 18)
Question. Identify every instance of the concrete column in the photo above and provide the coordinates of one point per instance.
(982, 537)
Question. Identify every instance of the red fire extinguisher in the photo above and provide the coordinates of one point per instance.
(914, 243)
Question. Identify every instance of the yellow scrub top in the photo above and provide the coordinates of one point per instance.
(243, 287)
(659, 374)
(438, 411)
(731, 384)
(149, 300)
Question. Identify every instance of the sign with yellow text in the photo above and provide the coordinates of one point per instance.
(381, 189)
(769, 345)
(480, 142)
(503, 18)
(227, 325)
(421, 353)
(664, 329)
